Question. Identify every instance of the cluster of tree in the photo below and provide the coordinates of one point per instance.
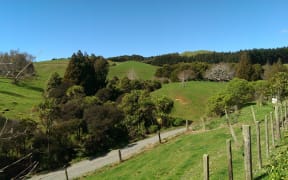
(221, 71)
(258, 56)
(84, 114)
(239, 92)
(182, 71)
(15, 64)
(127, 58)
(16, 137)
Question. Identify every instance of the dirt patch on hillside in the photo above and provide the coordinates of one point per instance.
(181, 99)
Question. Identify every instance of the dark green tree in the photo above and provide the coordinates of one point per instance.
(244, 69)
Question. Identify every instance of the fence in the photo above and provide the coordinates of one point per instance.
(277, 126)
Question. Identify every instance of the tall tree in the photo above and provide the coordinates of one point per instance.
(244, 69)
(87, 71)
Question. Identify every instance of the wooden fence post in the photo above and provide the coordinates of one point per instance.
(285, 114)
(229, 158)
(258, 138)
(272, 130)
(159, 136)
(2, 174)
(266, 136)
(253, 114)
(231, 128)
(247, 152)
(66, 173)
(119, 155)
(282, 116)
(206, 166)
(187, 125)
(278, 133)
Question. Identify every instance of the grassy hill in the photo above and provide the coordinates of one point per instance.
(194, 53)
(19, 101)
(140, 70)
(181, 158)
(189, 101)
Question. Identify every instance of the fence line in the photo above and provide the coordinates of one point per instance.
(271, 130)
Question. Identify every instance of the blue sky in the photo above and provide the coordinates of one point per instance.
(56, 28)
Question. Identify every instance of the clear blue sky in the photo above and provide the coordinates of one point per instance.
(56, 28)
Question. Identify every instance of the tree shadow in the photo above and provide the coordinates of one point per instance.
(33, 88)
(11, 93)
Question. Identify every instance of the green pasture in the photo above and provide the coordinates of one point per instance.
(181, 158)
(190, 99)
(139, 70)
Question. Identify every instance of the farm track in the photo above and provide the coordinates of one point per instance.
(86, 166)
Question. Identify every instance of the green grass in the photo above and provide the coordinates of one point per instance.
(181, 158)
(190, 101)
(20, 101)
(142, 71)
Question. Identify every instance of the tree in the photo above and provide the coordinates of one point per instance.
(220, 72)
(261, 89)
(237, 93)
(244, 69)
(87, 71)
(271, 70)
(278, 84)
(184, 75)
(104, 127)
(139, 112)
(132, 74)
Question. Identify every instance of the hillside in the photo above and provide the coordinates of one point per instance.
(181, 158)
(137, 69)
(19, 101)
(194, 53)
(189, 101)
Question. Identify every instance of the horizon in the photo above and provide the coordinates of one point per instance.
(58, 28)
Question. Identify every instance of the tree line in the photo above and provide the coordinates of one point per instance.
(244, 69)
(258, 56)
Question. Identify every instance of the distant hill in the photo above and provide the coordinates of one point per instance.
(138, 69)
(194, 53)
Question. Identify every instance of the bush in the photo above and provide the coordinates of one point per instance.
(178, 122)
(153, 128)
(278, 167)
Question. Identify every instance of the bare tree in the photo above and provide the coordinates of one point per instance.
(185, 75)
(16, 64)
(132, 74)
(220, 72)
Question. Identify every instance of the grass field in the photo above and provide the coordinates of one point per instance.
(141, 70)
(190, 101)
(19, 101)
(181, 158)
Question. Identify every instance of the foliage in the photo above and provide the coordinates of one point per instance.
(237, 93)
(87, 71)
(13, 62)
(244, 68)
(258, 56)
(271, 70)
(278, 166)
(278, 84)
(104, 128)
(262, 90)
(220, 72)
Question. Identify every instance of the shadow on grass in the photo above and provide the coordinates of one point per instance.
(11, 93)
(33, 88)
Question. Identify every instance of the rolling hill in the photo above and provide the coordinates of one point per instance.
(139, 70)
(190, 100)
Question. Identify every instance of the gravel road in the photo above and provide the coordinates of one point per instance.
(83, 167)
